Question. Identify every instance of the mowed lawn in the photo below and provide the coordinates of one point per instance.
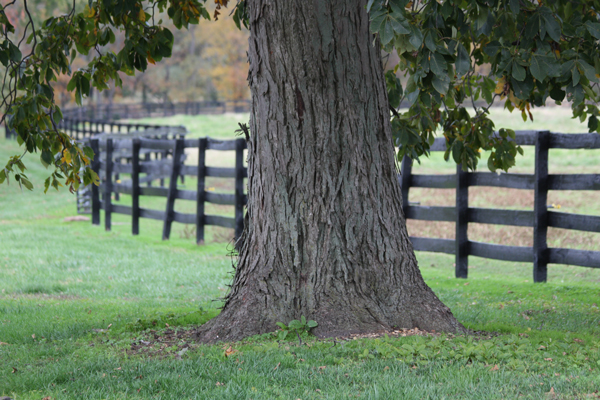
(91, 314)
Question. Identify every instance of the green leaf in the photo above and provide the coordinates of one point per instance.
(441, 83)
(515, 6)
(593, 28)
(575, 76)
(2, 176)
(437, 64)
(592, 124)
(587, 70)
(311, 324)
(46, 158)
(73, 83)
(14, 53)
(398, 23)
(551, 24)
(416, 37)
(463, 61)
(87, 150)
(538, 68)
(303, 320)
(518, 72)
(457, 149)
(25, 182)
(387, 33)
(295, 324)
(533, 26)
(281, 325)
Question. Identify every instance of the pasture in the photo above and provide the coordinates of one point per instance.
(90, 314)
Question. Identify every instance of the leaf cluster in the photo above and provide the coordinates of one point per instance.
(460, 53)
(28, 99)
(300, 327)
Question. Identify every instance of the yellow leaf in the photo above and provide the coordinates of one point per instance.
(150, 59)
(66, 158)
(142, 15)
(89, 12)
(500, 86)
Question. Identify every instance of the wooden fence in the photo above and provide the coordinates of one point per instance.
(111, 153)
(540, 218)
(150, 110)
(83, 122)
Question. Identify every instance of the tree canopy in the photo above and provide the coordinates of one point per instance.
(458, 54)
(454, 55)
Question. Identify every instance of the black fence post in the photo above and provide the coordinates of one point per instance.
(239, 187)
(135, 186)
(200, 190)
(172, 193)
(540, 208)
(462, 223)
(405, 181)
(95, 145)
(108, 184)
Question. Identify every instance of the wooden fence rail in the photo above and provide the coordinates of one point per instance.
(108, 165)
(540, 218)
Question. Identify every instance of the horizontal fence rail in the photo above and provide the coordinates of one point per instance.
(540, 218)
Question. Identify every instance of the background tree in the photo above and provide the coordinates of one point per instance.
(326, 237)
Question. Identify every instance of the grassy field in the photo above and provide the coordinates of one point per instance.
(90, 314)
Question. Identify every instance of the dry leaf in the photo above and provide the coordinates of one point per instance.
(277, 366)
(230, 351)
(323, 367)
(551, 392)
(495, 368)
(386, 368)
(3, 343)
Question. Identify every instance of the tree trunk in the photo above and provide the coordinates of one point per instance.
(326, 236)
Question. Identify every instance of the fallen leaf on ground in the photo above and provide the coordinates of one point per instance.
(495, 368)
(76, 218)
(230, 351)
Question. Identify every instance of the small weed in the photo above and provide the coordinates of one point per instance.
(299, 327)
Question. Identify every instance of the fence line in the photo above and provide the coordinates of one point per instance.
(90, 120)
(174, 168)
(539, 219)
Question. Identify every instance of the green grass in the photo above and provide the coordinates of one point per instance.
(84, 315)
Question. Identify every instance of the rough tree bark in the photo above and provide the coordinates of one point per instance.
(326, 236)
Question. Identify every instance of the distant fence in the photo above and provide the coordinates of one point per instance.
(123, 156)
(90, 120)
(539, 219)
(151, 110)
